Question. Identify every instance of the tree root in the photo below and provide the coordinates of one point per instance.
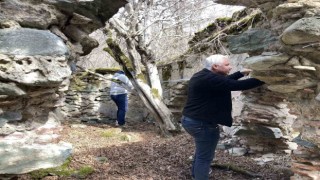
(235, 169)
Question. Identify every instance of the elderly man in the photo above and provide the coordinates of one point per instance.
(209, 104)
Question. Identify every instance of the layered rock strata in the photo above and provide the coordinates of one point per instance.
(38, 41)
(34, 73)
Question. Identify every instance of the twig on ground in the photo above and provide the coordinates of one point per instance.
(235, 169)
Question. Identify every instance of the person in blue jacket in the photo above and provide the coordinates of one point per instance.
(209, 104)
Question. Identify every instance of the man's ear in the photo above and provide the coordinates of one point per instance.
(213, 67)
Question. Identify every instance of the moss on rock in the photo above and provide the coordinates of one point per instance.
(206, 32)
(62, 171)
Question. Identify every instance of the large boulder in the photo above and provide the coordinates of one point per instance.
(38, 15)
(303, 31)
(25, 41)
(84, 16)
(253, 41)
(22, 152)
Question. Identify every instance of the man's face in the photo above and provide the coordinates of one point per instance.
(223, 68)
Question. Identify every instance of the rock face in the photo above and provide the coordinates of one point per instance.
(71, 20)
(252, 41)
(282, 47)
(32, 88)
(22, 42)
(38, 40)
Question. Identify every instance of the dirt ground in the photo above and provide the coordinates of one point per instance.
(139, 153)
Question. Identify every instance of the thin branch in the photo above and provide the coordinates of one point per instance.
(235, 169)
(311, 45)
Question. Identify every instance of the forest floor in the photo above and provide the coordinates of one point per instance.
(139, 153)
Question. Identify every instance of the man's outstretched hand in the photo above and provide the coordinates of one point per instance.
(245, 71)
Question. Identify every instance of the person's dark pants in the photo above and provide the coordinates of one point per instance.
(121, 101)
(206, 137)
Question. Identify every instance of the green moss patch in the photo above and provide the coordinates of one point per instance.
(155, 93)
(125, 137)
(104, 71)
(85, 81)
(206, 32)
(84, 171)
(112, 132)
(141, 77)
(62, 171)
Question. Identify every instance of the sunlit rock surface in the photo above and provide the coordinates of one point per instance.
(25, 41)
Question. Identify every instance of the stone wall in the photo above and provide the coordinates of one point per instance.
(88, 100)
(281, 43)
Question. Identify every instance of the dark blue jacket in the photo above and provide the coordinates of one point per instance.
(209, 96)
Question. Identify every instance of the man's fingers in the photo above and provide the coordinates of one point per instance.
(245, 71)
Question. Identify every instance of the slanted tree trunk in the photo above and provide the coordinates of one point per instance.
(146, 84)
(148, 95)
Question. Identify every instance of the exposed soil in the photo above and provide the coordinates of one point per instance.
(139, 153)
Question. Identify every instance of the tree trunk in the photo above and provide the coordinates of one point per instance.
(147, 84)
(150, 96)
(152, 70)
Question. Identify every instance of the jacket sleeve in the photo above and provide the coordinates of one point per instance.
(126, 82)
(225, 83)
(237, 75)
